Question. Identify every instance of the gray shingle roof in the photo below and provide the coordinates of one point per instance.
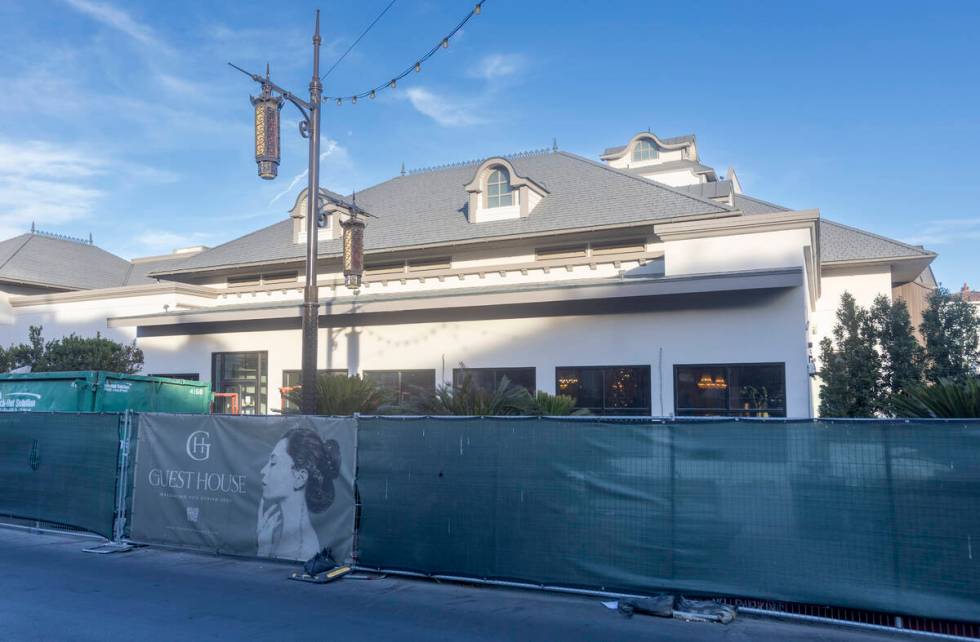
(430, 208)
(686, 138)
(752, 205)
(839, 242)
(139, 274)
(843, 243)
(59, 263)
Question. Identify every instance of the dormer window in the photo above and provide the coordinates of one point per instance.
(499, 192)
(644, 150)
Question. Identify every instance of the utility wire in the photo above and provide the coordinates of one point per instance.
(415, 66)
(363, 33)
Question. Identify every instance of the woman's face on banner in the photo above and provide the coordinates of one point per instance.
(278, 478)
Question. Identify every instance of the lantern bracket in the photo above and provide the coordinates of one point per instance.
(304, 107)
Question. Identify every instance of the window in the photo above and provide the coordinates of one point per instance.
(404, 384)
(293, 378)
(644, 150)
(499, 193)
(739, 390)
(489, 378)
(186, 376)
(244, 373)
(607, 390)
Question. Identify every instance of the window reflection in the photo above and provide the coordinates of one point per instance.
(736, 390)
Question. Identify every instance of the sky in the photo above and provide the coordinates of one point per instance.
(123, 120)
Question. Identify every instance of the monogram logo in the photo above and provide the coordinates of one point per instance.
(199, 445)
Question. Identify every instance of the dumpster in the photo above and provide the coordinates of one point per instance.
(100, 391)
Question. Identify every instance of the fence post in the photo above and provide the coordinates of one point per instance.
(122, 477)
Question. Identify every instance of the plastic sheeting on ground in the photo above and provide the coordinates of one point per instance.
(60, 467)
(872, 515)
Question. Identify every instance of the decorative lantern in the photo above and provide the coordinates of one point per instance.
(267, 109)
(353, 251)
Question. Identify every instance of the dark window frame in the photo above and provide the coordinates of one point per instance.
(262, 389)
(533, 370)
(403, 394)
(730, 412)
(328, 371)
(615, 411)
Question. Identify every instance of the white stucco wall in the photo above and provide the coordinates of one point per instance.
(736, 252)
(767, 329)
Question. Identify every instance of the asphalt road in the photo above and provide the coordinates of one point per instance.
(51, 590)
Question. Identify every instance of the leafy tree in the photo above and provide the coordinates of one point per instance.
(850, 365)
(951, 329)
(902, 358)
(340, 395)
(946, 400)
(72, 353)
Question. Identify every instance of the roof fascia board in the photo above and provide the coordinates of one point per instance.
(423, 275)
(604, 289)
(740, 224)
(887, 260)
(29, 300)
(380, 252)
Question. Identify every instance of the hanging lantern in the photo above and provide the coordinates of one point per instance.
(267, 109)
(353, 251)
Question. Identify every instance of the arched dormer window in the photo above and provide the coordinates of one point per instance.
(644, 150)
(499, 192)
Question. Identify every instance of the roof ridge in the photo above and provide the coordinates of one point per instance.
(645, 181)
(523, 154)
(15, 252)
(921, 250)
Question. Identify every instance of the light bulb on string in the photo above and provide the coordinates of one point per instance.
(477, 8)
(445, 43)
(418, 67)
(353, 100)
(393, 83)
(371, 95)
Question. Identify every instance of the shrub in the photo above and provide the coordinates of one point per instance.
(470, 399)
(340, 395)
(554, 405)
(947, 399)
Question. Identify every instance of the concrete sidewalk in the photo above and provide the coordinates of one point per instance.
(51, 590)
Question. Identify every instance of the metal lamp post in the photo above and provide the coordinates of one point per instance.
(267, 106)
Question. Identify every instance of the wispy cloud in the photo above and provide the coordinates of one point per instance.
(164, 241)
(119, 20)
(46, 184)
(945, 231)
(445, 110)
(330, 148)
(498, 65)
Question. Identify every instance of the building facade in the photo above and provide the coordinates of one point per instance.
(641, 284)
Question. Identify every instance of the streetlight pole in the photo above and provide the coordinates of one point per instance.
(267, 156)
(311, 293)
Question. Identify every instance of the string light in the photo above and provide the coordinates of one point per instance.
(417, 65)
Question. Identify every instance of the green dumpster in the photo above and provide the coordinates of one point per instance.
(99, 391)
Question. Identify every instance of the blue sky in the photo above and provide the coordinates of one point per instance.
(123, 120)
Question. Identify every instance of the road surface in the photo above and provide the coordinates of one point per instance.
(51, 590)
